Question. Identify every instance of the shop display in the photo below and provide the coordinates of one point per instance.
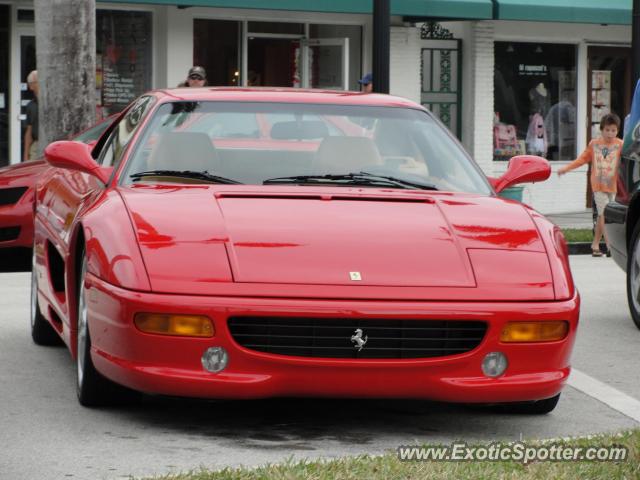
(600, 98)
(534, 99)
(560, 122)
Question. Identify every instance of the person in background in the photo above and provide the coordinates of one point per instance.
(366, 83)
(604, 155)
(31, 133)
(197, 77)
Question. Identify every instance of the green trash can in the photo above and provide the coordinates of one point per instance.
(512, 193)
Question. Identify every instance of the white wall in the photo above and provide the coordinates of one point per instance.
(481, 96)
(404, 71)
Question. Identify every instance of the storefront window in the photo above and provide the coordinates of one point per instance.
(4, 85)
(123, 58)
(216, 45)
(333, 58)
(276, 28)
(535, 100)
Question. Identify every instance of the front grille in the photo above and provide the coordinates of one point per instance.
(331, 337)
(9, 196)
(9, 233)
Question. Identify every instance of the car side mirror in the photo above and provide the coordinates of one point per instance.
(75, 156)
(522, 169)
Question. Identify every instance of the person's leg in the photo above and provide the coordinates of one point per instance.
(33, 151)
(599, 234)
(601, 199)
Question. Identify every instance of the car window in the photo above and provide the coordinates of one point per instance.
(94, 133)
(227, 125)
(123, 132)
(280, 117)
(303, 140)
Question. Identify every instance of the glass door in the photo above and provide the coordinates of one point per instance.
(4, 84)
(27, 65)
(326, 63)
(609, 90)
(273, 61)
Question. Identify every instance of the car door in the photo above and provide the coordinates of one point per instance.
(67, 193)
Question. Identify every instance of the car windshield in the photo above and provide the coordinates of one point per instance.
(264, 143)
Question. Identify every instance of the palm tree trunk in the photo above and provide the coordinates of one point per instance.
(66, 59)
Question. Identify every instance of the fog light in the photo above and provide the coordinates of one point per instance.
(215, 359)
(546, 331)
(494, 364)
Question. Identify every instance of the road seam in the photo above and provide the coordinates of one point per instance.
(612, 397)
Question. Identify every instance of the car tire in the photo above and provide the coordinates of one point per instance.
(42, 332)
(633, 275)
(93, 388)
(538, 407)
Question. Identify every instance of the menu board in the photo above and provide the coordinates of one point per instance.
(123, 57)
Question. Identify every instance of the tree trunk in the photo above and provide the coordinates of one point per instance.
(66, 59)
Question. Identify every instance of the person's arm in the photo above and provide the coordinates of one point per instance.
(28, 141)
(584, 158)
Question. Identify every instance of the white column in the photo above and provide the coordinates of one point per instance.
(179, 45)
(404, 74)
(479, 104)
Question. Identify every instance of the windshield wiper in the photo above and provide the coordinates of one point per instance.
(360, 178)
(183, 174)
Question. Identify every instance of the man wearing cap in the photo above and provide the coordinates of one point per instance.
(366, 83)
(197, 77)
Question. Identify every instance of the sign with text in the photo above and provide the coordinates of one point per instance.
(124, 51)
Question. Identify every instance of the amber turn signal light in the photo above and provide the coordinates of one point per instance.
(515, 332)
(178, 325)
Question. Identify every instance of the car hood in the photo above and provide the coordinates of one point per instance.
(203, 236)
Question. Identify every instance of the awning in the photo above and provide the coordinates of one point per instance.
(451, 9)
(569, 11)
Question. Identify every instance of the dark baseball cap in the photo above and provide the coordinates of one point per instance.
(197, 71)
(366, 80)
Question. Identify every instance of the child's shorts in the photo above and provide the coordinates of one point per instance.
(602, 199)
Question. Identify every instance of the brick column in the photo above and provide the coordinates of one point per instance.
(481, 95)
(404, 72)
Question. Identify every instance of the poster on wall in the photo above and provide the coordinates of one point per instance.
(124, 58)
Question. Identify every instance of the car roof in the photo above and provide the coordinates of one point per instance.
(285, 95)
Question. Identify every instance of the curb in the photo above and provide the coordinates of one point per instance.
(583, 248)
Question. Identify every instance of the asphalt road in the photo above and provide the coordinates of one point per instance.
(46, 434)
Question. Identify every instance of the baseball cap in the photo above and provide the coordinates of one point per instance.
(197, 71)
(366, 80)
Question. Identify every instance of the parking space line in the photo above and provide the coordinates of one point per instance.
(613, 398)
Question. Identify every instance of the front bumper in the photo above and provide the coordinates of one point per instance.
(172, 365)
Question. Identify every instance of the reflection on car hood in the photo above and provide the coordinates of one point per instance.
(208, 235)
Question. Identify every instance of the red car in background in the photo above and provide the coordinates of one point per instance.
(355, 251)
(16, 193)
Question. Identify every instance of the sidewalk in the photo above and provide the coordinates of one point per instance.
(581, 219)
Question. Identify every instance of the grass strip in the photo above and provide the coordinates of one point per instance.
(573, 235)
(389, 467)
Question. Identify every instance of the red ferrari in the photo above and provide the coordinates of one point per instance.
(355, 251)
(16, 193)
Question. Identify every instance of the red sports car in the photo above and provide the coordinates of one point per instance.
(16, 193)
(185, 255)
